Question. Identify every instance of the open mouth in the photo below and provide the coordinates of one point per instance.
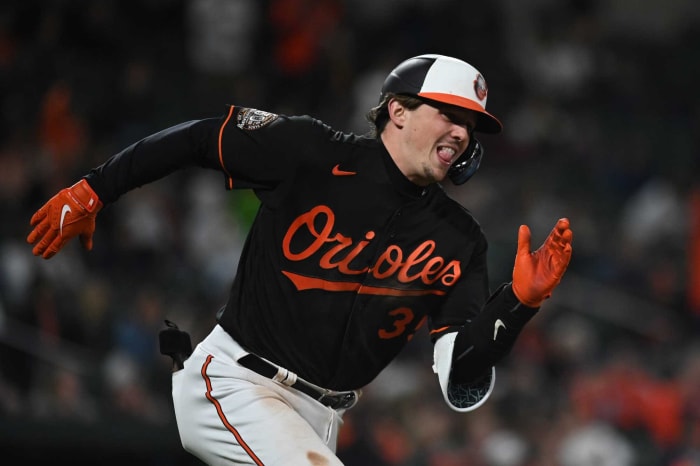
(446, 154)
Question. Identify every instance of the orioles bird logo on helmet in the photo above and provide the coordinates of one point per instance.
(480, 88)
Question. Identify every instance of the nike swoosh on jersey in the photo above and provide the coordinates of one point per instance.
(64, 211)
(338, 172)
(497, 325)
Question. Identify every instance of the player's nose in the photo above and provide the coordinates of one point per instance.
(460, 134)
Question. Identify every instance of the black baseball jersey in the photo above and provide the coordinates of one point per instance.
(346, 258)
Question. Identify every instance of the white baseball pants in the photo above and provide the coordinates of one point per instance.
(227, 414)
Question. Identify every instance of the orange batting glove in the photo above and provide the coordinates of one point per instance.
(69, 213)
(536, 274)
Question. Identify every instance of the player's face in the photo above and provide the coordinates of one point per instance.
(434, 137)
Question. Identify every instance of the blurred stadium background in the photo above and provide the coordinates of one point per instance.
(600, 102)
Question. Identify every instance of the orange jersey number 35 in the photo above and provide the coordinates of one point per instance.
(404, 317)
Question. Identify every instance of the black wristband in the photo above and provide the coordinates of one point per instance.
(490, 336)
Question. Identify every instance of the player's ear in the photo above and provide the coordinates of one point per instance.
(396, 111)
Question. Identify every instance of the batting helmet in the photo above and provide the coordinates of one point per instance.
(451, 81)
(447, 80)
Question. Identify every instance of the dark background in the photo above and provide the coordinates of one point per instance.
(599, 101)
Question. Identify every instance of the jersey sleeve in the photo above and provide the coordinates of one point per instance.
(254, 146)
(154, 157)
(469, 295)
(249, 146)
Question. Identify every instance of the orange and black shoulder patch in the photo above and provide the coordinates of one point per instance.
(250, 118)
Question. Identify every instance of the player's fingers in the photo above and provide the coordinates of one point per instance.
(561, 226)
(38, 231)
(32, 236)
(45, 242)
(567, 236)
(561, 235)
(524, 239)
(559, 259)
(54, 247)
(38, 216)
(86, 241)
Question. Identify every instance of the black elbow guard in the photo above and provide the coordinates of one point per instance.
(490, 336)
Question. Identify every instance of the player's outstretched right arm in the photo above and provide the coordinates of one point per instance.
(72, 211)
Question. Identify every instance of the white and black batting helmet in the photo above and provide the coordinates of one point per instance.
(444, 79)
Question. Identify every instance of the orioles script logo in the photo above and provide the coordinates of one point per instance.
(407, 267)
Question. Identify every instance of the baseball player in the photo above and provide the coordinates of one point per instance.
(355, 246)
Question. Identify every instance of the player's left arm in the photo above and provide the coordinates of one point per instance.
(465, 360)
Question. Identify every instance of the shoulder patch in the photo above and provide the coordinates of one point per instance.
(250, 118)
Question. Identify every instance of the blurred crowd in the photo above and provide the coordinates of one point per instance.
(600, 105)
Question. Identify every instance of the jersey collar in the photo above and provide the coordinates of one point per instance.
(399, 180)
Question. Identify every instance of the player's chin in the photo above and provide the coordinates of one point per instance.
(435, 175)
(435, 171)
(441, 170)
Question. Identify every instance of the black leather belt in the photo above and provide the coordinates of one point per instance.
(332, 399)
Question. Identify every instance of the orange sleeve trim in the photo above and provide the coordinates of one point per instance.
(438, 330)
(229, 182)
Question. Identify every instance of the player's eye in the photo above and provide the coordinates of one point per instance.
(459, 119)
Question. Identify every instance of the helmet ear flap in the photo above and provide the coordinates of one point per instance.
(467, 164)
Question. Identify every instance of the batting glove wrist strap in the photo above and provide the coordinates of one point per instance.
(84, 196)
